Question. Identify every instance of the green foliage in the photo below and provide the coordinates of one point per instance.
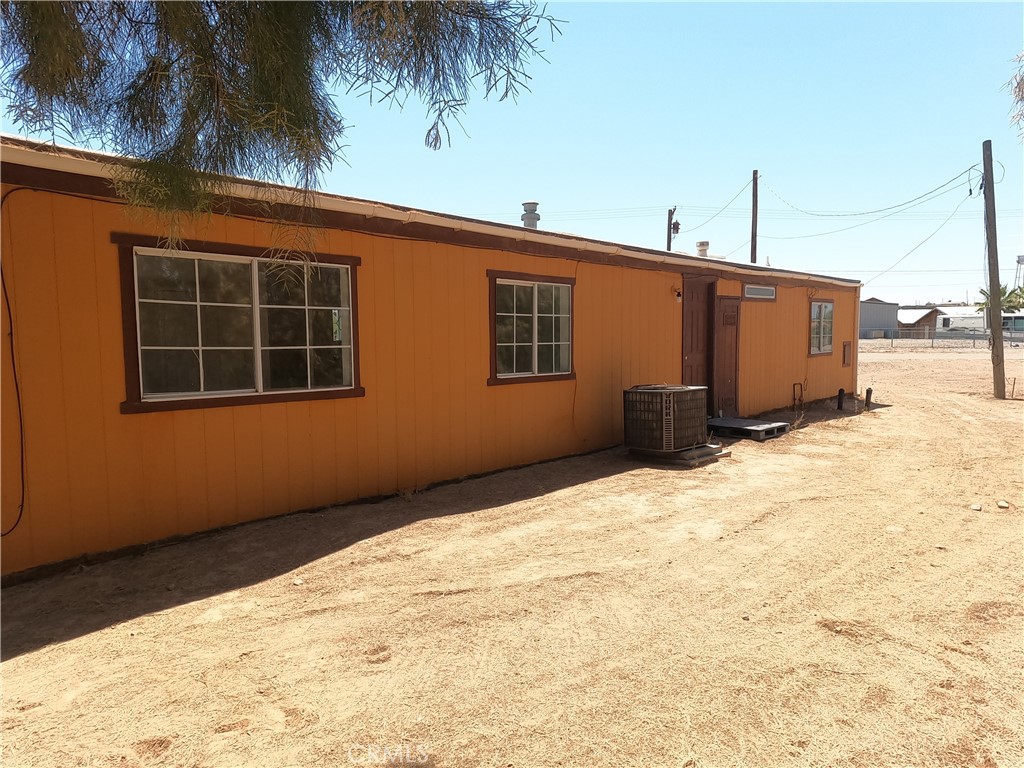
(199, 91)
(1009, 301)
(1016, 85)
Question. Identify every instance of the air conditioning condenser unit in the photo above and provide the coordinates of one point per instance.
(664, 418)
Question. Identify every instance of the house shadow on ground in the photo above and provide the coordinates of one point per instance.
(91, 596)
(85, 598)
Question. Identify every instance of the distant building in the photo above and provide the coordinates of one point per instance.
(1013, 322)
(971, 318)
(961, 318)
(917, 322)
(878, 319)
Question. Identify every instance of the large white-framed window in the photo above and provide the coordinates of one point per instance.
(821, 327)
(226, 328)
(531, 327)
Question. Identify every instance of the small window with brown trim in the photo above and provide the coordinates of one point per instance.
(821, 327)
(531, 327)
(205, 329)
(847, 354)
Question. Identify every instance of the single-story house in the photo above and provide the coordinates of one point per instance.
(917, 322)
(151, 392)
(878, 319)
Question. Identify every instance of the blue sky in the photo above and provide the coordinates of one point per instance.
(841, 107)
(641, 107)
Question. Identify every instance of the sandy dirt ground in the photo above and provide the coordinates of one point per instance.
(828, 598)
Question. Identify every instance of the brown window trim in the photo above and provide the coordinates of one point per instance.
(810, 319)
(493, 275)
(744, 296)
(133, 403)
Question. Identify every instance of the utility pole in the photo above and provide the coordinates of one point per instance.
(753, 224)
(670, 228)
(995, 302)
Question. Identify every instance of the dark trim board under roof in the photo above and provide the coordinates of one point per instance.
(441, 228)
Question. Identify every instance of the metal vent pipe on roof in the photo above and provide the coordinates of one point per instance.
(530, 217)
(702, 248)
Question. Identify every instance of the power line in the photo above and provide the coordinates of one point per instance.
(905, 271)
(650, 211)
(880, 210)
(928, 285)
(692, 229)
(872, 221)
(777, 214)
(904, 256)
(622, 213)
(730, 253)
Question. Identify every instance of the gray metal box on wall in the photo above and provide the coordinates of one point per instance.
(658, 417)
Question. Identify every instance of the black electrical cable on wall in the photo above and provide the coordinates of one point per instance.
(17, 385)
(10, 342)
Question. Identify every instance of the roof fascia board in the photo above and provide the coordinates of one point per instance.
(21, 152)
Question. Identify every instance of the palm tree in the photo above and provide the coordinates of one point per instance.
(1010, 301)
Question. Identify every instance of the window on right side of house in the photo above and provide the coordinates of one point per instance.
(821, 327)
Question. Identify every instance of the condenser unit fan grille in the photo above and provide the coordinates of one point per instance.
(665, 418)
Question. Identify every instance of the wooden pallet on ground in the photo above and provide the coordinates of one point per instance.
(754, 429)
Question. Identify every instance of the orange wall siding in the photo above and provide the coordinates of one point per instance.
(774, 343)
(97, 479)
(729, 288)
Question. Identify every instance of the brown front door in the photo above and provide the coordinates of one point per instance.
(698, 295)
(727, 330)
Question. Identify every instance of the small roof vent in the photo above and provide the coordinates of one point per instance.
(530, 217)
